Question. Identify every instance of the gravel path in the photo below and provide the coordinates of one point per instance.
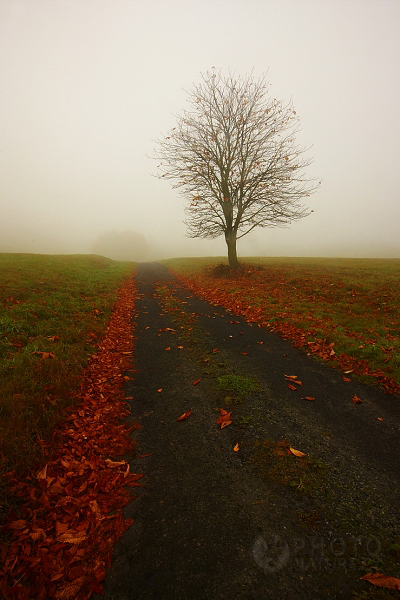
(211, 523)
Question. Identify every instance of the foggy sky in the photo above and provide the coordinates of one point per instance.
(86, 86)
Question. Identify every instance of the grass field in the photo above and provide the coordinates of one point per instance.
(53, 309)
(344, 310)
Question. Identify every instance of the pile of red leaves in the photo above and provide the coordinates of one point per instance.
(216, 295)
(71, 517)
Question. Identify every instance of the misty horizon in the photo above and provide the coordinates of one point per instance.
(89, 86)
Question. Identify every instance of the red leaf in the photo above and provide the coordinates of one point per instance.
(356, 399)
(225, 419)
(184, 416)
(386, 581)
(197, 381)
(21, 524)
(292, 387)
(296, 452)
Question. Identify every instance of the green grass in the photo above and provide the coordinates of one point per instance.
(238, 383)
(53, 310)
(275, 463)
(353, 303)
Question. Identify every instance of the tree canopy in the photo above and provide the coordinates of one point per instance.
(234, 157)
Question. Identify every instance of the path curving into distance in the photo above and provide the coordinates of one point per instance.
(212, 523)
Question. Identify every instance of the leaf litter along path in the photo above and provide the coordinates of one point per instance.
(233, 512)
(71, 514)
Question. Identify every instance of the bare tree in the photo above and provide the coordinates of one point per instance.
(233, 155)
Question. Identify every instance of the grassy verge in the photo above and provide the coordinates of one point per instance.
(338, 307)
(53, 310)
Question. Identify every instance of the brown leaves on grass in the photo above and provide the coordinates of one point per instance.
(72, 511)
(386, 581)
(356, 399)
(225, 419)
(44, 355)
(283, 448)
(286, 322)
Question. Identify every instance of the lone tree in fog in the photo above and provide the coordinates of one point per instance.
(233, 155)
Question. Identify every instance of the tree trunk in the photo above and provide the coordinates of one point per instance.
(230, 238)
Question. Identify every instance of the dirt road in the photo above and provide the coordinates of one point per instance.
(260, 523)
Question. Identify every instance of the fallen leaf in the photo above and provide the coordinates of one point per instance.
(347, 379)
(225, 419)
(72, 537)
(386, 581)
(169, 348)
(42, 473)
(245, 353)
(349, 371)
(46, 354)
(291, 376)
(70, 590)
(197, 381)
(180, 347)
(215, 350)
(296, 452)
(184, 416)
(20, 524)
(112, 464)
(380, 419)
(308, 398)
(356, 399)
(160, 390)
(292, 387)
(236, 448)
